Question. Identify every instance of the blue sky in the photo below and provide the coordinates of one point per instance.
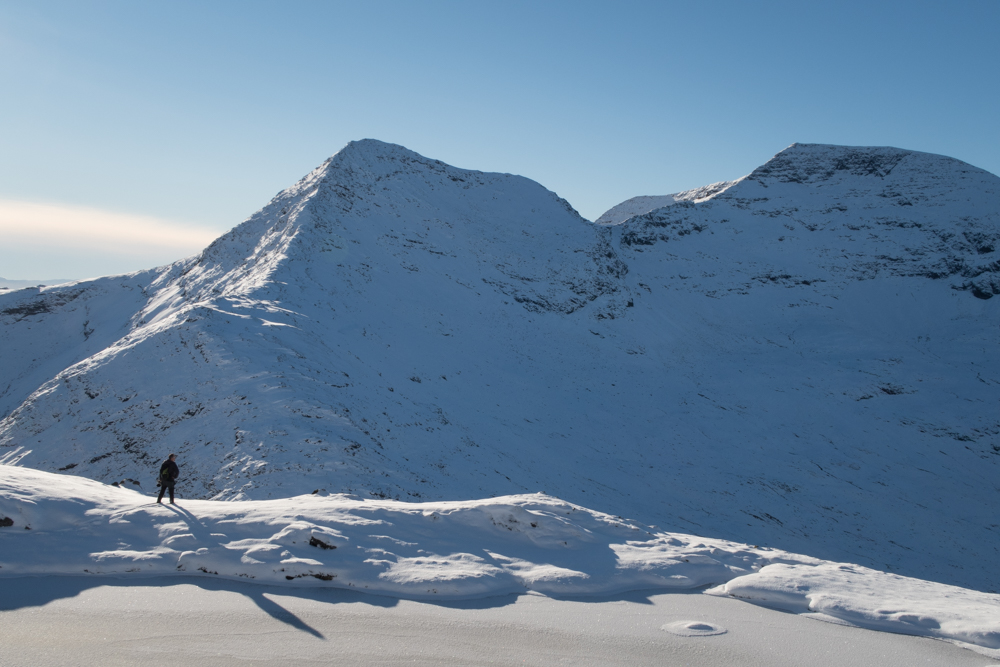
(189, 116)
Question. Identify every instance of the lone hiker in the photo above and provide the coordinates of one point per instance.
(169, 472)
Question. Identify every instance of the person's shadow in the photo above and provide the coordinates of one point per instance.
(33, 591)
(37, 591)
(196, 525)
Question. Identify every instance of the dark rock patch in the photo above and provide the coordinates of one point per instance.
(313, 542)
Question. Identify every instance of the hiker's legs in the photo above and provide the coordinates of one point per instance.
(163, 489)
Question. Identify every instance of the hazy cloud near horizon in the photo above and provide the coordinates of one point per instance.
(33, 233)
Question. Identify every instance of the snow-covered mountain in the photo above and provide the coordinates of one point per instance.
(804, 358)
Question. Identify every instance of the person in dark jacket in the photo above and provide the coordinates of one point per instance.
(169, 472)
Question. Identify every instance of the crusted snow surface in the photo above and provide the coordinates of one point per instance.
(59, 524)
(805, 360)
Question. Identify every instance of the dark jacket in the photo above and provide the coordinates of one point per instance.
(169, 472)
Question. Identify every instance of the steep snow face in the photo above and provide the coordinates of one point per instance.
(798, 360)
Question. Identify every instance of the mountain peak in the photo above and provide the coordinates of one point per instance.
(810, 163)
(369, 150)
(819, 163)
(374, 158)
(362, 161)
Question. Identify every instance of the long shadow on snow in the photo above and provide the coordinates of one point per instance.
(22, 592)
(38, 591)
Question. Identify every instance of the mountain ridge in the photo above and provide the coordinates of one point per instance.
(746, 366)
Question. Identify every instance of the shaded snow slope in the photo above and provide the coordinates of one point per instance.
(474, 548)
(804, 360)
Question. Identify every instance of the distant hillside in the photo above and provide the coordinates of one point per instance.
(20, 284)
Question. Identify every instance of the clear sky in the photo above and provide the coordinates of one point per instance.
(132, 133)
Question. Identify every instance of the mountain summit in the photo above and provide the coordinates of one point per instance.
(803, 358)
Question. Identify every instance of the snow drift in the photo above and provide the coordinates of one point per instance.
(57, 524)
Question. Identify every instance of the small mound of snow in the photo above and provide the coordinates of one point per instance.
(693, 629)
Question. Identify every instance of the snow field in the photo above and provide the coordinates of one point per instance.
(212, 622)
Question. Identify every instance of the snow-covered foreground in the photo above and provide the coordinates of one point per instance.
(60, 524)
(220, 623)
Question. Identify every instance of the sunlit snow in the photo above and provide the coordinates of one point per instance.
(58, 524)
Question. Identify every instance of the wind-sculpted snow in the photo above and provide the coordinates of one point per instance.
(465, 549)
(875, 600)
(56, 524)
(803, 359)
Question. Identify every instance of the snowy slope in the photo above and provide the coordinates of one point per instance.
(56, 524)
(37, 346)
(804, 359)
